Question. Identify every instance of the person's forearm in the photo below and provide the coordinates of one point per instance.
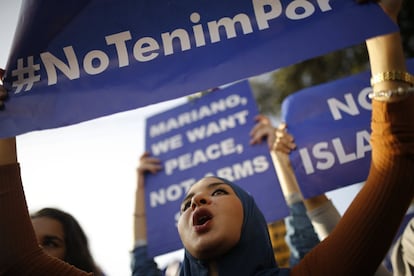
(286, 176)
(140, 219)
(386, 54)
(289, 183)
(8, 153)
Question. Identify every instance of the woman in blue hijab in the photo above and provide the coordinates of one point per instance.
(249, 253)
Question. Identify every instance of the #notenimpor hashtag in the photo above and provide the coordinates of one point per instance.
(25, 74)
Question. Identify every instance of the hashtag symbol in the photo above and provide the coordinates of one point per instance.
(25, 74)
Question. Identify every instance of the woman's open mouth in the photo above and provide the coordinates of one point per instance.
(201, 219)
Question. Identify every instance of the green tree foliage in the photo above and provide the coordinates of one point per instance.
(271, 89)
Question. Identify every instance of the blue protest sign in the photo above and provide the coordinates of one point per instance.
(73, 61)
(207, 136)
(331, 126)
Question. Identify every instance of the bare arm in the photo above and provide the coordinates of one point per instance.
(141, 263)
(147, 165)
(281, 143)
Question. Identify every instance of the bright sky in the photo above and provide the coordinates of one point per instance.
(88, 169)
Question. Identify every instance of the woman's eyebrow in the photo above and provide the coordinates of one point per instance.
(209, 186)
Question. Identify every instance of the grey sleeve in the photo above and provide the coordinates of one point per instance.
(324, 219)
(402, 255)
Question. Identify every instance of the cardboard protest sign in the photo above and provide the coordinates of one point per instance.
(206, 136)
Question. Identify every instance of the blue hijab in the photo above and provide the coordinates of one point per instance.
(253, 254)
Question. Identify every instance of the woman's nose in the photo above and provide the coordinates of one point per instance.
(198, 200)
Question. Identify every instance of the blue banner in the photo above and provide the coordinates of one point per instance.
(77, 60)
(331, 126)
(207, 136)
